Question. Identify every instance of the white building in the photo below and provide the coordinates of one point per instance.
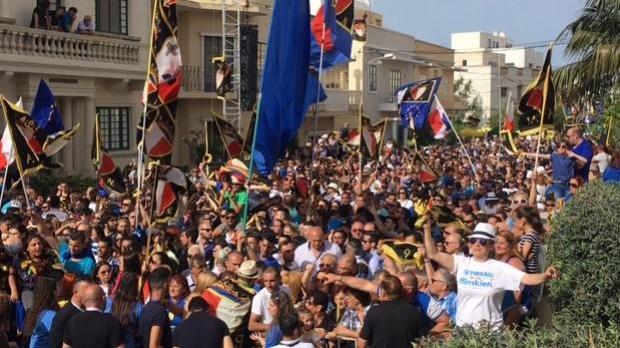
(480, 56)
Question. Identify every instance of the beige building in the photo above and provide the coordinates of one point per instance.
(101, 73)
(495, 67)
(104, 73)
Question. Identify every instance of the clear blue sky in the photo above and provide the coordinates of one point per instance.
(521, 20)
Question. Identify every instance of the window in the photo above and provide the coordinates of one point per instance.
(464, 62)
(489, 43)
(114, 125)
(212, 46)
(372, 78)
(112, 16)
(519, 90)
(504, 91)
(394, 83)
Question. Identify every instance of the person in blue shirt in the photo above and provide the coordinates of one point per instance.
(563, 162)
(40, 317)
(582, 152)
(75, 256)
(611, 175)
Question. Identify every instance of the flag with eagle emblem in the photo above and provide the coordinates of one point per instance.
(162, 85)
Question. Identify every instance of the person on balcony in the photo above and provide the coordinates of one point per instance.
(57, 19)
(40, 16)
(86, 26)
(70, 21)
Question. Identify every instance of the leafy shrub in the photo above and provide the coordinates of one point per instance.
(45, 182)
(560, 336)
(585, 247)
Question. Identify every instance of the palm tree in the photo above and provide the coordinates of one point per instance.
(593, 42)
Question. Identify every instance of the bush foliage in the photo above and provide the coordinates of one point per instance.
(559, 336)
(585, 247)
(45, 182)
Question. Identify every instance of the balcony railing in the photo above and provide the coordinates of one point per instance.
(193, 78)
(21, 41)
(340, 100)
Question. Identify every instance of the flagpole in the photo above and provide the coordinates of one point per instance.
(318, 88)
(499, 93)
(149, 238)
(206, 156)
(246, 207)
(471, 163)
(6, 173)
(140, 168)
(359, 135)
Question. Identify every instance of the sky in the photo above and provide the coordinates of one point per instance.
(523, 21)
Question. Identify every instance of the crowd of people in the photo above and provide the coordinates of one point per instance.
(324, 260)
(62, 19)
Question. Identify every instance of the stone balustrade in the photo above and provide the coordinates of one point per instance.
(22, 41)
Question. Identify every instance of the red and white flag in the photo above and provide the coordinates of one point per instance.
(509, 117)
(6, 145)
(438, 120)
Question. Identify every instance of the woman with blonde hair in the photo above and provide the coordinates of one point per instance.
(292, 279)
(204, 281)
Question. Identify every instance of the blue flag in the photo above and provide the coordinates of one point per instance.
(331, 26)
(45, 112)
(289, 87)
(415, 101)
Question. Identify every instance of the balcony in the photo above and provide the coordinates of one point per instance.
(340, 100)
(25, 49)
(387, 102)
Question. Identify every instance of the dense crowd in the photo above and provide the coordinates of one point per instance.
(325, 260)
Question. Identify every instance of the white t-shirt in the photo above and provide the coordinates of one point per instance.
(602, 160)
(295, 344)
(261, 301)
(481, 289)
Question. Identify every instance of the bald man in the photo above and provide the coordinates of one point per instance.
(316, 246)
(93, 328)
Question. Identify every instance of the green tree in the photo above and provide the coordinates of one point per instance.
(472, 102)
(594, 45)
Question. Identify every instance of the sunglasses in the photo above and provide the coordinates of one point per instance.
(523, 201)
(572, 184)
(481, 241)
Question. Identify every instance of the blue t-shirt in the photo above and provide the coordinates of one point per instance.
(41, 332)
(274, 336)
(84, 267)
(563, 168)
(611, 175)
(584, 149)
